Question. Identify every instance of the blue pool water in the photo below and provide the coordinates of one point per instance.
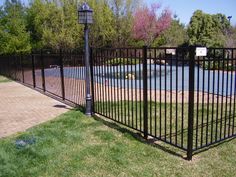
(157, 79)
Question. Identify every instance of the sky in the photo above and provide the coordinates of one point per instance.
(185, 8)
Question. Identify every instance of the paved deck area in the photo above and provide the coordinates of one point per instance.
(22, 108)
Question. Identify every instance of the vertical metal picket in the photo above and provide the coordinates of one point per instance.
(42, 70)
(33, 70)
(62, 76)
(191, 103)
(22, 68)
(145, 95)
(15, 67)
(8, 67)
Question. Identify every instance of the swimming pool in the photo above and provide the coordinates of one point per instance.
(160, 77)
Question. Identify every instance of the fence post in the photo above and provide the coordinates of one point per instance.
(91, 71)
(33, 70)
(145, 99)
(42, 70)
(191, 103)
(62, 76)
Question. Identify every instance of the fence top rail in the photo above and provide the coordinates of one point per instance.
(118, 48)
(162, 48)
(221, 48)
(80, 51)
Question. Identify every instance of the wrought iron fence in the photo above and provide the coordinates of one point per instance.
(57, 73)
(166, 93)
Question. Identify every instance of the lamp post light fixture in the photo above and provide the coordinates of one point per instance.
(85, 15)
(229, 17)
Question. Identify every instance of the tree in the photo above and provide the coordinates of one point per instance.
(147, 26)
(13, 35)
(175, 35)
(230, 37)
(54, 24)
(123, 18)
(102, 32)
(208, 30)
(234, 36)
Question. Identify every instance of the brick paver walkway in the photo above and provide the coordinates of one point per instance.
(22, 108)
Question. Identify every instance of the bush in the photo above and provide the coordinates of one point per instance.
(218, 65)
(123, 61)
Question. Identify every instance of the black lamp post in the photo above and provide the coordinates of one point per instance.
(86, 17)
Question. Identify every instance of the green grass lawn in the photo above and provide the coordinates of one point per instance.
(3, 79)
(76, 145)
(212, 123)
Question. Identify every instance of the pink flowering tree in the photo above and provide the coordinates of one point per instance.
(147, 25)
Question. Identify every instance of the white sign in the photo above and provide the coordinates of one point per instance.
(170, 51)
(201, 51)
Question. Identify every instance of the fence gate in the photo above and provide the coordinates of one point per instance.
(117, 94)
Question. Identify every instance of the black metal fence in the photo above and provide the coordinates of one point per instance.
(167, 93)
(58, 73)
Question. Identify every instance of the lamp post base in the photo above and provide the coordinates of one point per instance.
(88, 110)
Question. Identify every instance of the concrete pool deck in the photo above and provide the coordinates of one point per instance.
(75, 92)
(22, 108)
(109, 93)
(177, 77)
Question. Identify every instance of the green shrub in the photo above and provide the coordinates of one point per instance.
(123, 61)
(215, 65)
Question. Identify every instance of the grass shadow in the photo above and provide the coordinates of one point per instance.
(207, 148)
(138, 136)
